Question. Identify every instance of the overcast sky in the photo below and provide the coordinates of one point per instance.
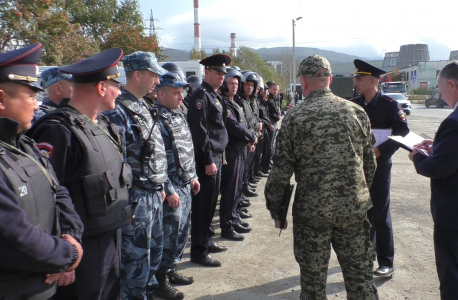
(358, 27)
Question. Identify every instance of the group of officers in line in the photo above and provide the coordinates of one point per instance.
(121, 173)
(113, 170)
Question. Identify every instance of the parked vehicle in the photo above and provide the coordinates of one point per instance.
(403, 101)
(435, 99)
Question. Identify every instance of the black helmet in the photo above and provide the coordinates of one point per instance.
(232, 72)
(260, 81)
(194, 81)
(251, 76)
(245, 71)
(174, 68)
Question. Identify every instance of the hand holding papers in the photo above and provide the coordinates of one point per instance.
(409, 142)
(381, 136)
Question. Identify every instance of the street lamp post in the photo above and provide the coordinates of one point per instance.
(293, 90)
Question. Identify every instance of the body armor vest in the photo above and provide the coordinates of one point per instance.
(35, 187)
(250, 118)
(148, 157)
(182, 146)
(99, 188)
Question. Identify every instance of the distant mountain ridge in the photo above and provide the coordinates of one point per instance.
(341, 63)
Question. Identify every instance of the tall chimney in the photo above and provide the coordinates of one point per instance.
(233, 45)
(196, 26)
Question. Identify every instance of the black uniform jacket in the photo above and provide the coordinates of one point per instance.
(385, 113)
(205, 116)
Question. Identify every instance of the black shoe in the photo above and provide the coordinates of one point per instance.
(254, 180)
(384, 272)
(258, 177)
(245, 215)
(231, 235)
(215, 248)
(244, 209)
(263, 174)
(165, 290)
(244, 203)
(178, 278)
(207, 261)
(252, 186)
(248, 193)
(243, 223)
(241, 229)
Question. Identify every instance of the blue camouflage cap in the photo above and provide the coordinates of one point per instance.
(51, 76)
(140, 60)
(171, 79)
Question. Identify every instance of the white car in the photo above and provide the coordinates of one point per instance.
(403, 101)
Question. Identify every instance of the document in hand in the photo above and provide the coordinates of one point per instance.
(381, 135)
(407, 142)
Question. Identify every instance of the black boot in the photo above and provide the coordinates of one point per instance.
(165, 290)
(247, 192)
(177, 278)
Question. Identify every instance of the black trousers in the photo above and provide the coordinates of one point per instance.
(257, 156)
(231, 188)
(249, 165)
(266, 153)
(203, 210)
(446, 250)
(380, 216)
(97, 276)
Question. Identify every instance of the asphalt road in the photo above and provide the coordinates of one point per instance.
(432, 111)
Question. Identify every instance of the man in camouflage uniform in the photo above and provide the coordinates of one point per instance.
(141, 249)
(59, 86)
(183, 179)
(327, 143)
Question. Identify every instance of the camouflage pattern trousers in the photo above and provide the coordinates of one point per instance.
(141, 248)
(176, 229)
(352, 245)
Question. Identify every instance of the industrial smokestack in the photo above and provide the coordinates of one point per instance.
(196, 26)
(233, 45)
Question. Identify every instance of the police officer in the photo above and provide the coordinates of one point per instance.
(174, 68)
(183, 180)
(209, 135)
(35, 240)
(144, 151)
(244, 100)
(194, 82)
(384, 113)
(263, 151)
(59, 87)
(274, 112)
(232, 173)
(85, 150)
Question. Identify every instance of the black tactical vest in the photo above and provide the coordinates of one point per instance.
(99, 188)
(250, 118)
(147, 157)
(35, 188)
(182, 147)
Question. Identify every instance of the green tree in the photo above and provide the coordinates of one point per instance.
(129, 13)
(203, 54)
(131, 39)
(96, 17)
(248, 59)
(216, 51)
(395, 75)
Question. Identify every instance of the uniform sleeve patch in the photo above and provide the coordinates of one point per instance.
(199, 103)
(402, 115)
(46, 149)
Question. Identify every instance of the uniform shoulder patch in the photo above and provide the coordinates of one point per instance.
(389, 99)
(46, 149)
(199, 103)
(402, 115)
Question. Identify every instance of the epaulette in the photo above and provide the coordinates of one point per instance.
(389, 99)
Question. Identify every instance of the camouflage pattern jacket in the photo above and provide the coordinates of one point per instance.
(327, 143)
(179, 148)
(134, 125)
